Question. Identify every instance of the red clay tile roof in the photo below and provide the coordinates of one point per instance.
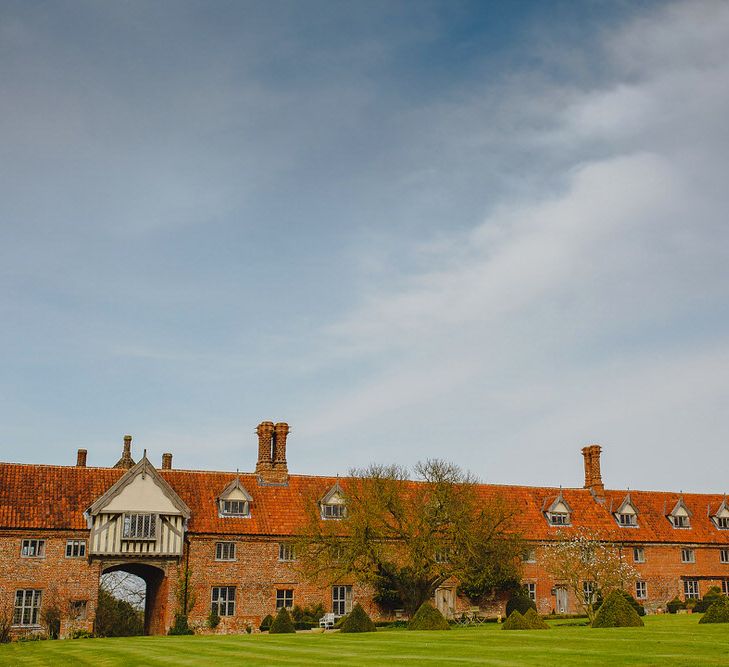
(54, 498)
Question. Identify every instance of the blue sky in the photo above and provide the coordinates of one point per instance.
(488, 232)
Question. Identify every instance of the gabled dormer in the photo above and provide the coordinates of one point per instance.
(139, 514)
(680, 515)
(721, 516)
(234, 501)
(558, 513)
(333, 505)
(627, 514)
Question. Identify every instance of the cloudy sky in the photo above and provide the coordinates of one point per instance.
(488, 232)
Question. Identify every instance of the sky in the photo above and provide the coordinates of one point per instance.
(486, 232)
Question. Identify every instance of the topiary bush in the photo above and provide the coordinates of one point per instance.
(516, 622)
(674, 605)
(718, 612)
(616, 612)
(712, 595)
(639, 608)
(428, 618)
(213, 618)
(519, 601)
(282, 623)
(358, 621)
(535, 621)
(266, 624)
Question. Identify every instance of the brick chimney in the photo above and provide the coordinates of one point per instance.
(166, 461)
(126, 461)
(271, 467)
(593, 477)
(81, 458)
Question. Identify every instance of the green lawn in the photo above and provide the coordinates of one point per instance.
(666, 640)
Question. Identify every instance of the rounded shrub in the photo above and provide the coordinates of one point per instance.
(358, 621)
(718, 612)
(712, 595)
(428, 618)
(674, 605)
(535, 621)
(266, 623)
(519, 601)
(283, 623)
(516, 622)
(616, 612)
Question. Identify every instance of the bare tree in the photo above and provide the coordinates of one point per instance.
(125, 586)
(406, 538)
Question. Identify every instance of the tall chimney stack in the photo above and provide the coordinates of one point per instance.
(81, 458)
(126, 461)
(271, 467)
(593, 476)
(166, 461)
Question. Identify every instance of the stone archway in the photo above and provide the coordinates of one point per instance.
(157, 592)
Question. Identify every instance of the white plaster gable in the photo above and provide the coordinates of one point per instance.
(236, 494)
(142, 494)
(560, 507)
(723, 512)
(627, 507)
(335, 496)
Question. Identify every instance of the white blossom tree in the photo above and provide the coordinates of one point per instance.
(589, 567)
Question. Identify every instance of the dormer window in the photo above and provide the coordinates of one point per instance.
(559, 512)
(680, 516)
(721, 516)
(235, 507)
(234, 501)
(626, 515)
(333, 505)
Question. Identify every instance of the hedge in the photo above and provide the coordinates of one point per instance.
(428, 618)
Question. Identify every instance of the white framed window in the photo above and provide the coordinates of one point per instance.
(724, 555)
(529, 556)
(75, 548)
(223, 600)
(225, 551)
(140, 527)
(688, 556)
(589, 589)
(722, 522)
(559, 519)
(234, 508)
(680, 521)
(341, 600)
(27, 606)
(286, 552)
(627, 520)
(638, 555)
(333, 511)
(691, 589)
(641, 590)
(284, 598)
(725, 586)
(531, 589)
(33, 549)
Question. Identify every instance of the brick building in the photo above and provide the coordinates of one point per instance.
(62, 527)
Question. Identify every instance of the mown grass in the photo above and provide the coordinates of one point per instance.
(666, 640)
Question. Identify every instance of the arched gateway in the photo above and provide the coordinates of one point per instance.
(138, 526)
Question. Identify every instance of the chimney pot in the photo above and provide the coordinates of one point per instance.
(271, 466)
(126, 461)
(593, 476)
(81, 458)
(166, 461)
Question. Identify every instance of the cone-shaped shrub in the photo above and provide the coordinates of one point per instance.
(266, 623)
(358, 621)
(516, 622)
(718, 612)
(282, 623)
(535, 621)
(428, 618)
(616, 612)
